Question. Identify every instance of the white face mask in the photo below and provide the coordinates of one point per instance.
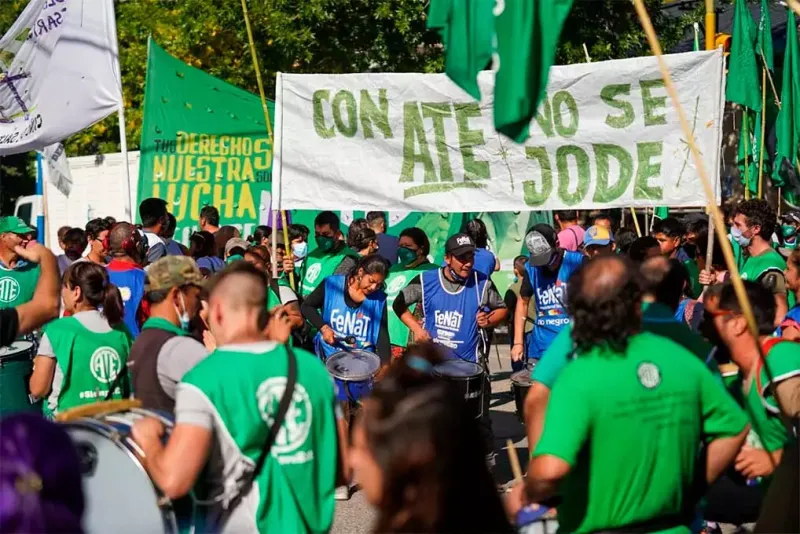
(183, 316)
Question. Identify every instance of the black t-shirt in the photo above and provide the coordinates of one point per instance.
(9, 326)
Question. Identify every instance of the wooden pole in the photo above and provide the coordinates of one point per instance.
(795, 5)
(745, 131)
(710, 243)
(513, 459)
(780, 201)
(763, 130)
(636, 222)
(265, 109)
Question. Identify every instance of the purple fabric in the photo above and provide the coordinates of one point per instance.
(40, 477)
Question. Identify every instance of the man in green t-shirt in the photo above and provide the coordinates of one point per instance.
(224, 408)
(627, 416)
(17, 277)
(754, 389)
(753, 225)
(332, 255)
(662, 292)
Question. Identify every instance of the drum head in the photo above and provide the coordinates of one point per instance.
(353, 366)
(522, 378)
(16, 348)
(119, 495)
(457, 369)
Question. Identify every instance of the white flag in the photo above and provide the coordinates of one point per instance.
(55, 158)
(59, 72)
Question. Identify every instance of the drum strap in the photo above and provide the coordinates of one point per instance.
(115, 384)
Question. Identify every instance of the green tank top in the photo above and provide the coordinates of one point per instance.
(318, 266)
(17, 285)
(89, 361)
(398, 278)
(757, 266)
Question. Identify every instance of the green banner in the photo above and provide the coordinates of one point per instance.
(204, 142)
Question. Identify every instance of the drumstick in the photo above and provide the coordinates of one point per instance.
(513, 459)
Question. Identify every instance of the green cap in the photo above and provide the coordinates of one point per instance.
(14, 225)
(173, 271)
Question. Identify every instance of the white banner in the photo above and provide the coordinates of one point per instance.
(606, 136)
(58, 72)
(55, 157)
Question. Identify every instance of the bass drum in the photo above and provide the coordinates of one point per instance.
(120, 497)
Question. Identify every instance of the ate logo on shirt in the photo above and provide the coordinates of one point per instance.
(649, 375)
(354, 323)
(125, 293)
(105, 364)
(449, 320)
(297, 424)
(313, 272)
(396, 285)
(9, 289)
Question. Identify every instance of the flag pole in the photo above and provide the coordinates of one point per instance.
(123, 138)
(746, 133)
(636, 222)
(264, 107)
(780, 198)
(711, 25)
(763, 129)
(719, 226)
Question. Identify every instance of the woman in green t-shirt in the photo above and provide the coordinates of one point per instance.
(81, 356)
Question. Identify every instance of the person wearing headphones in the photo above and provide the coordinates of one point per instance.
(128, 250)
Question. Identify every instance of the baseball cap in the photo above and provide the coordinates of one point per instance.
(14, 225)
(173, 271)
(236, 242)
(459, 245)
(598, 235)
(792, 217)
(541, 243)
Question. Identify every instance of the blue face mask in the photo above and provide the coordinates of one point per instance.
(737, 235)
(457, 277)
(299, 250)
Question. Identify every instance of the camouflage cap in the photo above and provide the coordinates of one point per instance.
(173, 271)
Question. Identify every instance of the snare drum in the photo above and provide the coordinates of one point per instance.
(16, 368)
(536, 519)
(520, 384)
(354, 373)
(120, 497)
(469, 378)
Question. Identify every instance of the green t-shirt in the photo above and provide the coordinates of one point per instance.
(89, 361)
(296, 485)
(397, 279)
(757, 266)
(656, 318)
(629, 425)
(318, 265)
(17, 285)
(784, 363)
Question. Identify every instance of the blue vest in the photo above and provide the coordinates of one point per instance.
(131, 286)
(362, 322)
(450, 317)
(550, 294)
(791, 315)
(484, 262)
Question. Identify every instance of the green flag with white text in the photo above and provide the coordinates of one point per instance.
(764, 39)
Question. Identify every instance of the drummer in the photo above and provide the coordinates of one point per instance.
(80, 357)
(17, 277)
(353, 306)
(457, 303)
(412, 254)
(165, 351)
(223, 411)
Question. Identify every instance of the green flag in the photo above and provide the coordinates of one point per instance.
(764, 39)
(696, 28)
(787, 127)
(743, 73)
(527, 38)
(749, 142)
(467, 29)
(204, 142)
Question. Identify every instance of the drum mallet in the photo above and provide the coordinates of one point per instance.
(513, 459)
